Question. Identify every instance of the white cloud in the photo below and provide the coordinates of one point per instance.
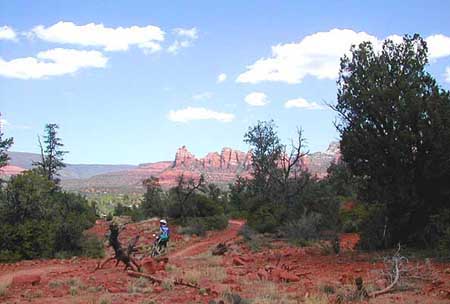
(177, 45)
(318, 55)
(303, 104)
(202, 96)
(187, 38)
(438, 46)
(257, 99)
(189, 33)
(97, 35)
(53, 62)
(221, 78)
(7, 33)
(447, 74)
(190, 113)
(3, 123)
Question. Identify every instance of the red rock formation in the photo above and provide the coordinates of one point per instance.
(184, 158)
(9, 170)
(217, 168)
(212, 160)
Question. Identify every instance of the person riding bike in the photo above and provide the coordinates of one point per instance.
(164, 235)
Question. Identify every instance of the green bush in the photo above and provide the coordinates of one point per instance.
(39, 220)
(303, 230)
(193, 229)
(263, 219)
(352, 219)
(199, 225)
(136, 213)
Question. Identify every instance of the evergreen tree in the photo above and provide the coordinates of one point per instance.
(51, 155)
(394, 122)
(152, 205)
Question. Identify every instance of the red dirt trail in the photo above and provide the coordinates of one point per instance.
(202, 246)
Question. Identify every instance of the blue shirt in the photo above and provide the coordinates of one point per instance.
(165, 232)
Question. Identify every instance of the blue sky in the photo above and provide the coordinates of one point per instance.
(131, 81)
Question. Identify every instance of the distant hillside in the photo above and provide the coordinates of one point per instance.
(219, 168)
(78, 171)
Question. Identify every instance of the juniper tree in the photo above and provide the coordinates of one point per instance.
(394, 122)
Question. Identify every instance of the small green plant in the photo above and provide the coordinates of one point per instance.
(328, 289)
(55, 284)
(73, 282)
(30, 295)
(167, 285)
(73, 291)
(94, 289)
(105, 300)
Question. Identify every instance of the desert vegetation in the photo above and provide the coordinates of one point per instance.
(39, 220)
(389, 188)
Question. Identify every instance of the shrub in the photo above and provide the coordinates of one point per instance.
(199, 225)
(193, 229)
(303, 230)
(263, 219)
(352, 219)
(39, 220)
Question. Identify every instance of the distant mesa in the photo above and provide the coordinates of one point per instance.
(220, 168)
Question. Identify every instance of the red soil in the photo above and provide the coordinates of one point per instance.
(283, 274)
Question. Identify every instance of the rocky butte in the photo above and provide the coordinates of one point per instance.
(220, 168)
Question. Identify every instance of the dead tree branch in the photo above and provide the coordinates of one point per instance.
(396, 262)
(121, 254)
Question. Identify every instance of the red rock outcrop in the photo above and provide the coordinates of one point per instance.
(220, 168)
(9, 170)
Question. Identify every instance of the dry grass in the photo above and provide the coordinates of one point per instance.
(140, 285)
(212, 273)
(267, 292)
(316, 299)
(207, 266)
(3, 289)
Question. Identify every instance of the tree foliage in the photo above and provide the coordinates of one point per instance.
(5, 144)
(52, 156)
(39, 221)
(280, 190)
(394, 122)
(152, 204)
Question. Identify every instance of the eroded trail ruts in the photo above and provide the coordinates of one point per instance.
(202, 246)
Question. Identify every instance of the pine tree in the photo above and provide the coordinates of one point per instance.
(51, 155)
